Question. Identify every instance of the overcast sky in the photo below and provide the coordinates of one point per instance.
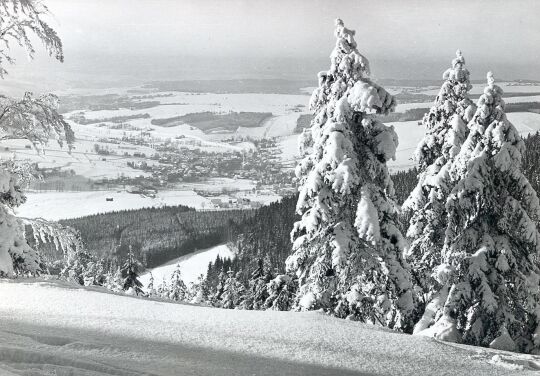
(178, 39)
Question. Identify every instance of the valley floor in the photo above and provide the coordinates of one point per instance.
(54, 328)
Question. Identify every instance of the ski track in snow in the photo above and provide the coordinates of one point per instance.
(54, 328)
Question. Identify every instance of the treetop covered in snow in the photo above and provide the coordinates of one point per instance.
(446, 119)
(346, 45)
(457, 72)
(349, 69)
(490, 104)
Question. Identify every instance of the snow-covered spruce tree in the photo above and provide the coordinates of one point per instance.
(113, 279)
(233, 291)
(215, 299)
(130, 272)
(177, 287)
(163, 290)
(32, 118)
(150, 290)
(446, 130)
(281, 293)
(347, 249)
(95, 272)
(489, 271)
(257, 291)
(200, 294)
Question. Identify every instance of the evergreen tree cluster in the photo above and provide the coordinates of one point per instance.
(156, 235)
(471, 273)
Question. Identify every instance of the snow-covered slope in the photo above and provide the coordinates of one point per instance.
(51, 328)
(191, 265)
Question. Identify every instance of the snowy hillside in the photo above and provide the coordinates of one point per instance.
(51, 328)
(191, 265)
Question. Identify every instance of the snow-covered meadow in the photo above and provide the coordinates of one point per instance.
(54, 328)
(181, 103)
(52, 205)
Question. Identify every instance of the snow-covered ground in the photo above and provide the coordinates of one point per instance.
(276, 126)
(64, 205)
(410, 133)
(289, 148)
(52, 328)
(191, 265)
(525, 122)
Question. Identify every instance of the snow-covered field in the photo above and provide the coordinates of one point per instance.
(185, 103)
(191, 266)
(276, 126)
(52, 205)
(64, 205)
(289, 148)
(52, 328)
(410, 134)
(525, 122)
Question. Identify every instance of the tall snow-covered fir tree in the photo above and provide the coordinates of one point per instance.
(446, 130)
(32, 118)
(280, 293)
(177, 288)
(347, 249)
(130, 272)
(200, 291)
(257, 291)
(151, 291)
(233, 291)
(489, 269)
